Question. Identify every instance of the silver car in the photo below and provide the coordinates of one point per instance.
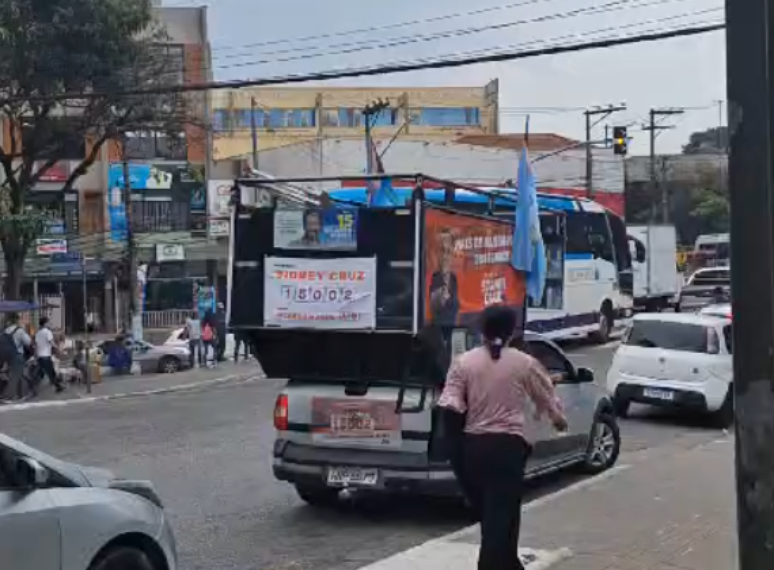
(56, 515)
(335, 438)
(154, 359)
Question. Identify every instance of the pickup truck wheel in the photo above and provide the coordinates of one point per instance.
(604, 444)
(318, 496)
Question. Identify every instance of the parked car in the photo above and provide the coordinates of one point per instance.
(56, 515)
(332, 436)
(154, 359)
(177, 338)
(675, 361)
(701, 288)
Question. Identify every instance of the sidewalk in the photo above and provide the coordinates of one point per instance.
(664, 510)
(113, 387)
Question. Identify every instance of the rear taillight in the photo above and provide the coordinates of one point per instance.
(281, 413)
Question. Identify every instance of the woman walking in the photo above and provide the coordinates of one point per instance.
(491, 385)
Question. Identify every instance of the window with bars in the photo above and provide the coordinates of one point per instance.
(159, 216)
(150, 145)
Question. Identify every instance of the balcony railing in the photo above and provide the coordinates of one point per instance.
(160, 217)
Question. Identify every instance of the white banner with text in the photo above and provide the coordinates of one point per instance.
(320, 293)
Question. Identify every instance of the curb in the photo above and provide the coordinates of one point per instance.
(188, 387)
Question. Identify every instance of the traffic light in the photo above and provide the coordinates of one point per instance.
(620, 141)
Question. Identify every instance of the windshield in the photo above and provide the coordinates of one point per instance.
(684, 337)
(719, 277)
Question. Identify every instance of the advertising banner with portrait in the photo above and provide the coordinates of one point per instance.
(467, 266)
(315, 229)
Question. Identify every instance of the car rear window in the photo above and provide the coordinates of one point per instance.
(711, 278)
(670, 336)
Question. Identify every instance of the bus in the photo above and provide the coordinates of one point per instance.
(589, 286)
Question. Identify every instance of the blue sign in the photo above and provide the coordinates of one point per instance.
(66, 257)
(332, 228)
(141, 177)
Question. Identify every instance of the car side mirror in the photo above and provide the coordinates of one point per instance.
(30, 473)
(584, 375)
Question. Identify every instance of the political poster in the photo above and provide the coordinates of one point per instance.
(320, 293)
(467, 267)
(314, 228)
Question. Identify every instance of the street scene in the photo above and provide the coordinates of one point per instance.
(209, 453)
(382, 289)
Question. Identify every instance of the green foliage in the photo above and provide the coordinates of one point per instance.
(709, 141)
(51, 51)
(710, 204)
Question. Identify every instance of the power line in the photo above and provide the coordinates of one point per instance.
(369, 44)
(401, 67)
(615, 5)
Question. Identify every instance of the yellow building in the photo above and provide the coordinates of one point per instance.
(289, 115)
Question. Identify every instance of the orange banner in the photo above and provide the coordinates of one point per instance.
(467, 267)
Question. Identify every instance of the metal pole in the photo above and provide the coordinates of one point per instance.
(653, 180)
(589, 159)
(85, 324)
(254, 131)
(664, 190)
(750, 73)
(131, 250)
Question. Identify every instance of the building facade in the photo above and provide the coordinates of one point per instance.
(168, 200)
(292, 115)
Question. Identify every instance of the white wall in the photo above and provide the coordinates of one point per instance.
(462, 163)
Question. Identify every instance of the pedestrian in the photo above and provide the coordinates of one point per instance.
(44, 351)
(14, 344)
(487, 389)
(209, 341)
(221, 331)
(240, 340)
(193, 330)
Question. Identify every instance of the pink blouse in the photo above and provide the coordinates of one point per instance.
(494, 393)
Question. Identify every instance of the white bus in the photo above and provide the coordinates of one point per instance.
(589, 285)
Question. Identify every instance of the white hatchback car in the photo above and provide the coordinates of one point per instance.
(675, 360)
(56, 515)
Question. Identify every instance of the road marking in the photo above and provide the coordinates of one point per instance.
(188, 387)
(461, 556)
(448, 553)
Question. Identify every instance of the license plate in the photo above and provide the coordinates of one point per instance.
(352, 476)
(666, 395)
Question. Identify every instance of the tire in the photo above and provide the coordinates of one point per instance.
(169, 365)
(621, 407)
(724, 417)
(123, 558)
(318, 496)
(604, 445)
(606, 321)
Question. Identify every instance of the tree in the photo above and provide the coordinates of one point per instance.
(710, 204)
(709, 141)
(49, 51)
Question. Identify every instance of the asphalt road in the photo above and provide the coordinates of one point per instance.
(209, 453)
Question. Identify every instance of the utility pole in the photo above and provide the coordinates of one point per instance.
(749, 43)
(603, 113)
(370, 112)
(654, 129)
(131, 250)
(254, 131)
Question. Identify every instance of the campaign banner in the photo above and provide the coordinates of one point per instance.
(332, 228)
(320, 293)
(467, 267)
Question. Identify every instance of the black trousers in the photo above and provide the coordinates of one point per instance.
(46, 367)
(493, 478)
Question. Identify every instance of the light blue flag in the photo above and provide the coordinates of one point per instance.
(384, 196)
(529, 254)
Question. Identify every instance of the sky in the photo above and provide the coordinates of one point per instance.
(265, 38)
